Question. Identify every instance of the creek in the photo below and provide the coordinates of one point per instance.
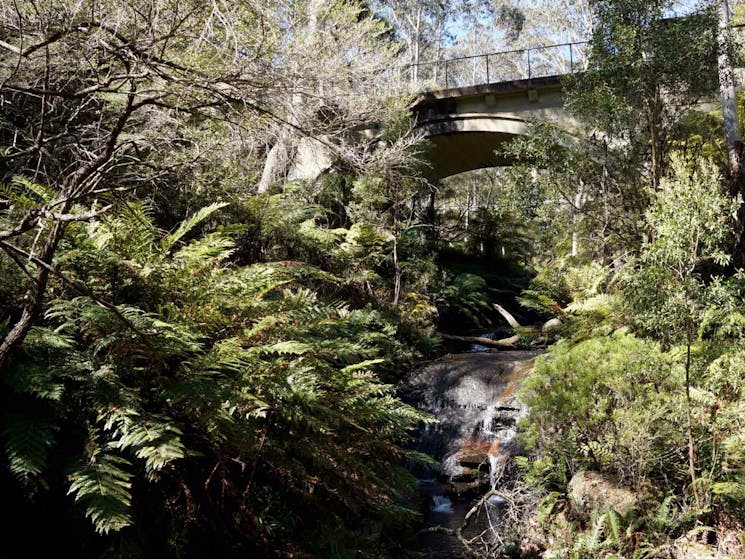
(473, 397)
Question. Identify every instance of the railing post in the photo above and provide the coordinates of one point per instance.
(571, 60)
(487, 69)
(447, 84)
(528, 53)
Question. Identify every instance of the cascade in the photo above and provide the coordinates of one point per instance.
(472, 395)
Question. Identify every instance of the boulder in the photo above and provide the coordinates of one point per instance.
(592, 491)
(551, 325)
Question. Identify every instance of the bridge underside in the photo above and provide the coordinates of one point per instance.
(469, 127)
(466, 151)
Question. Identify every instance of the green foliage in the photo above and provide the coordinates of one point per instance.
(689, 219)
(103, 486)
(464, 295)
(619, 403)
(635, 51)
(593, 405)
(242, 374)
(28, 440)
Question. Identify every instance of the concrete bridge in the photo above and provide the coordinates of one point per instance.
(466, 126)
(472, 106)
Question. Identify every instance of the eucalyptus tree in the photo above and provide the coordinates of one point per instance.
(331, 56)
(429, 29)
(736, 170)
(644, 72)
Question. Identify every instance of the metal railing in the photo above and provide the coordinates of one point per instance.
(480, 69)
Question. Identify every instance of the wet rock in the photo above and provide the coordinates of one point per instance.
(473, 397)
(460, 487)
(592, 491)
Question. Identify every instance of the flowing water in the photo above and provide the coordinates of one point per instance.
(473, 397)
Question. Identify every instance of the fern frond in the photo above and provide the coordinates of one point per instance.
(41, 192)
(103, 487)
(613, 528)
(28, 440)
(289, 347)
(155, 439)
(190, 223)
(207, 251)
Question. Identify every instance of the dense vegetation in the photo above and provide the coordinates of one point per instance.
(201, 344)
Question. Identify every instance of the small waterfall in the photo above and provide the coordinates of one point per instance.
(473, 397)
(442, 504)
(494, 470)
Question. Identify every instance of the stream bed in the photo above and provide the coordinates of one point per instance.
(473, 396)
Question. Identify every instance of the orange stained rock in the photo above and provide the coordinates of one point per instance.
(470, 444)
(494, 449)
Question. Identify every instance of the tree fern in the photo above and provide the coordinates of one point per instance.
(188, 224)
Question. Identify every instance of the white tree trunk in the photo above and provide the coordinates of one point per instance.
(575, 218)
(279, 160)
(727, 92)
(417, 44)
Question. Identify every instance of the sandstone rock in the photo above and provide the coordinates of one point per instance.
(551, 325)
(459, 487)
(592, 491)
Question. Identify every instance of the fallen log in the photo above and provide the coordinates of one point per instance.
(507, 316)
(503, 343)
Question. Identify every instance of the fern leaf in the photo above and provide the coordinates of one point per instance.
(613, 524)
(28, 440)
(155, 439)
(207, 251)
(362, 365)
(103, 487)
(42, 193)
(189, 223)
(289, 347)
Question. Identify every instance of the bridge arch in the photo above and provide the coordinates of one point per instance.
(467, 126)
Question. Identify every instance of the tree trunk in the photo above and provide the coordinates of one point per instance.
(397, 273)
(34, 296)
(731, 127)
(277, 162)
(689, 424)
(656, 140)
(575, 218)
(503, 343)
(417, 44)
(278, 159)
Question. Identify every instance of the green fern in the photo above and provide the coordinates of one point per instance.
(28, 440)
(23, 194)
(614, 534)
(155, 439)
(103, 486)
(188, 224)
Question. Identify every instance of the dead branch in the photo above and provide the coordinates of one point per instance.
(504, 343)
